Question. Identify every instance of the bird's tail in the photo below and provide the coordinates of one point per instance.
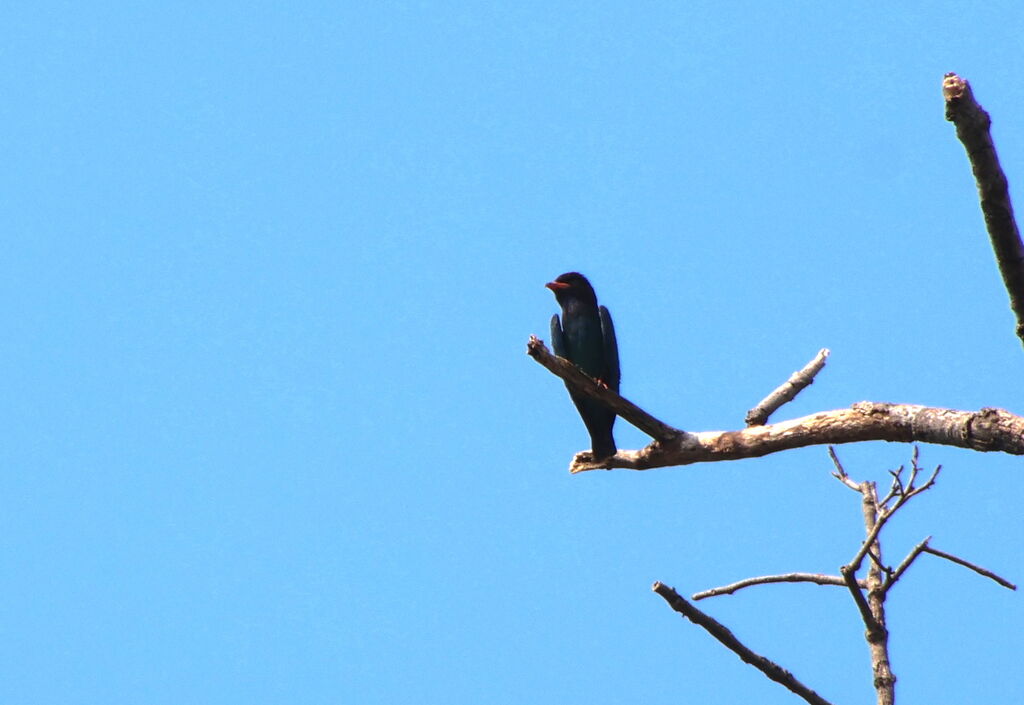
(603, 444)
(599, 421)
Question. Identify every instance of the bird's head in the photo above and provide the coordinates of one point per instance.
(572, 285)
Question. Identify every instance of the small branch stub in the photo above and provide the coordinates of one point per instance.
(787, 392)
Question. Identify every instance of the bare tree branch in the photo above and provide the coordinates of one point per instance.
(923, 547)
(985, 430)
(972, 129)
(817, 578)
(977, 569)
(872, 607)
(629, 411)
(787, 391)
(771, 669)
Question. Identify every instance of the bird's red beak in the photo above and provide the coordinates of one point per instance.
(555, 286)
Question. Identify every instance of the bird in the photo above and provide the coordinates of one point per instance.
(586, 337)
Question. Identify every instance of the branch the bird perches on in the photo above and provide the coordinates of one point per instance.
(987, 430)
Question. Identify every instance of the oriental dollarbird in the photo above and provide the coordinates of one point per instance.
(585, 336)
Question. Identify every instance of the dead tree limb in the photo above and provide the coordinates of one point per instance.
(972, 128)
(788, 390)
(870, 599)
(985, 430)
(869, 593)
(872, 605)
(768, 667)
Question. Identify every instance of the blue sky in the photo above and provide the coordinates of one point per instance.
(271, 434)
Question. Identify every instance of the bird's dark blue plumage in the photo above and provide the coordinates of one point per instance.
(585, 336)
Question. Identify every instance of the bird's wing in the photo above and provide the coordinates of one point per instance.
(557, 338)
(611, 349)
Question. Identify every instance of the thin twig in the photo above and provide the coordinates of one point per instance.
(897, 485)
(876, 560)
(768, 667)
(850, 579)
(967, 564)
(817, 578)
(930, 483)
(914, 467)
(788, 390)
(902, 567)
(858, 558)
(840, 473)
